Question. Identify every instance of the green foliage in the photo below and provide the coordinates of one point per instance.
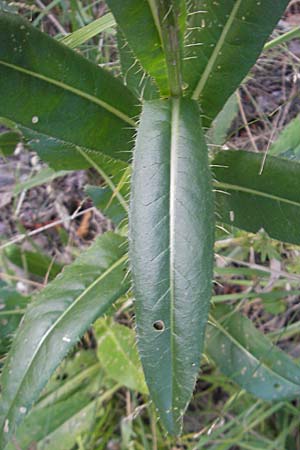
(171, 250)
(8, 142)
(95, 95)
(217, 30)
(118, 355)
(252, 189)
(12, 307)
(249, 358)
(55, 321)
(76, 116)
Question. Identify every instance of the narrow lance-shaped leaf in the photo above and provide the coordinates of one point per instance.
(223, 42)
(248, 357)
(171, 238)
(253, 193)
(65, 97)
(59, 316)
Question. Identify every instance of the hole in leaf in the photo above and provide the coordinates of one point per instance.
(159, 325)
(277, 386)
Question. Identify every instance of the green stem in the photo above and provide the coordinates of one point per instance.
(168, 15)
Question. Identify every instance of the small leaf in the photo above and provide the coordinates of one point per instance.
(36, 263)
(12, 308)
(8, 142)
(248, 357)
(93, 110)
(87, 32)
(103, 200)
(223, 42)
(55, 321)
(118, 355)
(254, 194)
(171, 239)
(288, 143)
(44, 176)
(218, 133)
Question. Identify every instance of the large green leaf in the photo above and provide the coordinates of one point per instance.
(55, 321)
(64, 96)
(118, 354)
(253, 194)
(172, 233)
(224, 40)
(248, 357)
(139, 22)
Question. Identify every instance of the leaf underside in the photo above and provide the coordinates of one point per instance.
(171, 248)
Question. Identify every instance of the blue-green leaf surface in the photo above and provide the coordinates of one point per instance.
(56, 319)
(171, 239)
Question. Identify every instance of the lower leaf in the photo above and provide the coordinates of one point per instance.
(248, 357)
(55, 321)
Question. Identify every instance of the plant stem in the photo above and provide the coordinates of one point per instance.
(168, 15)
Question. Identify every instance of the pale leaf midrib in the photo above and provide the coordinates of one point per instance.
(175, 113)
(213, 58)
(233, 187)
(73, 90)
(57, 322)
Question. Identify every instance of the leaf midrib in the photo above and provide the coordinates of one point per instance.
(175, 112)
(73, 90)
(211, 62)
(57, 322)
(235, 187)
